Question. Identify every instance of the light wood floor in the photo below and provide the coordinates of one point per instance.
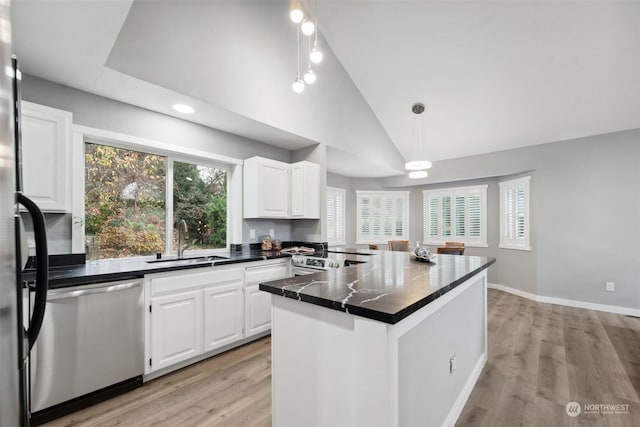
(541, 357)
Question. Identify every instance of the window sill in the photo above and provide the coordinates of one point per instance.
(466, 245)
(525, 248)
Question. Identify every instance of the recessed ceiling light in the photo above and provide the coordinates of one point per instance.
(182, 108)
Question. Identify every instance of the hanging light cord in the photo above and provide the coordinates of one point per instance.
(315, 42)
(298, 46)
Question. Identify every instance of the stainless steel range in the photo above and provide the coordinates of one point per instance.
(309, 264)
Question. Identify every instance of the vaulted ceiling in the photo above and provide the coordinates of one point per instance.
(493, 75)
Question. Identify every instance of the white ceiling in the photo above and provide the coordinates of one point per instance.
(493, 75)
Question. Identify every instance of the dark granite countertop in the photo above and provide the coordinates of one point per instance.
(111, 270)
(388, 288)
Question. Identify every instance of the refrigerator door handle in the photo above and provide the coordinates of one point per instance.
(42, 268)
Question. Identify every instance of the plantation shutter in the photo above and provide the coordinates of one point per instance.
(335, 216)
(514, 207)
(434, 217)
(331, 216)
(456, 213)
(382, 216)
(474, 216)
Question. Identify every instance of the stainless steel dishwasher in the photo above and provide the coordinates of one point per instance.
(91, 343)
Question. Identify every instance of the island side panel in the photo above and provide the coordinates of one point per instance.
(313, 380)
(429, 393)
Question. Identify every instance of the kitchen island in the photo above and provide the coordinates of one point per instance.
(393, 342)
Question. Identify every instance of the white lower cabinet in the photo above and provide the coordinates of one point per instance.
(193, 313)
(176, 324)
(222, 315)
(197, 312)
(257, 304)
(257, 310)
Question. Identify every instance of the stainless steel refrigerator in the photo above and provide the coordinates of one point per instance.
(15, 339)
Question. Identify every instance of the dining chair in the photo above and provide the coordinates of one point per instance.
(399, 245)
(452, 248)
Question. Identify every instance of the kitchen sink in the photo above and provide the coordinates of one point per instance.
(193, 260)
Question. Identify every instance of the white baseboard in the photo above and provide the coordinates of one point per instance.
(458, 405)
(567, 302)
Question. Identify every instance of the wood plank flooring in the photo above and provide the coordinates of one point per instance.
(541, 357)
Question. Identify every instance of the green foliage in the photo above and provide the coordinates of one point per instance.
(200, 199)
(125, 202)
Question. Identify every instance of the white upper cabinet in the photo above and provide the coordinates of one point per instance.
(274, 189)
(305, 190)
(46, 148)
(266, 188)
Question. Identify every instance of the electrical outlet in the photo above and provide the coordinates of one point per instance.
(610, 287)
(252, 233)
(452, 364)
(272, 232)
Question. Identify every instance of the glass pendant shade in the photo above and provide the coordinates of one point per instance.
(418, 174)
(298, 86)
(307, 27)
(415, 165)
(296, 15)
(316, 56)
(309, 77)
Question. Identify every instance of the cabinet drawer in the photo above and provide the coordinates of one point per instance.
(254, 275)
(210, 277)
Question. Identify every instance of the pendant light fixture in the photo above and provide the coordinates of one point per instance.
(298, 84)
(309, 77)
(419, 165)
(295, 12)
(315, 55)
(308, 27)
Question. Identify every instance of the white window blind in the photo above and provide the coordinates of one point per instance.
(514, 214)
(336, 216)
(456, 214)
(382, 216)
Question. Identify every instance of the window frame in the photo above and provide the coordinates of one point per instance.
(233, 167)
(523, 244)
(363, 240)
(453, 192)
(343, 193)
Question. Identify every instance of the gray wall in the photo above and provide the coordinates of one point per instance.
(107, 114)
(585, 206)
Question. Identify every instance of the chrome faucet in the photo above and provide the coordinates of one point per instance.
(183, 232)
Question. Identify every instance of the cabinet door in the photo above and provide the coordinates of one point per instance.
(46, 145)
(266, 188)
(176, 328)
(297, 190)
(273, 193)
(222, 315)
(257, 304)
(305, 190)
(257, 310)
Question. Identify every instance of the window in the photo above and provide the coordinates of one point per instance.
(458, 214)
(200, 199)
(382, 216)
(335, 216)
(514, 214)
(132, 198)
